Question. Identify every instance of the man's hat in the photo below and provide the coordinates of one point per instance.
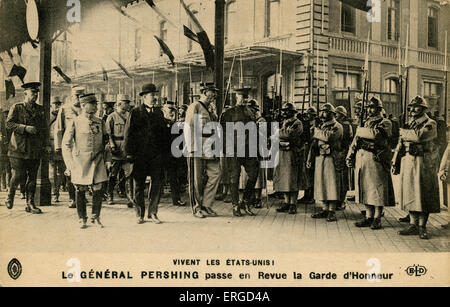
(170, 105)
(375, 102)
(242, 90)
(34, 86)
(341, 110)
(327, 107)
(210, 86)
(148, 88)
(419, 101)
(78, 90)
(311, 110)
(88, 98)
(288, 107)
(123, 97)
(56, 100)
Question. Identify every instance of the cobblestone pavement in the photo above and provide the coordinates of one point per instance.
(57, 230)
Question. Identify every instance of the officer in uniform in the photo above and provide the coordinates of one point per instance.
(145, 145)
(115, 127)
(347, 138)
(108, 106)
(369, 155)
(201, 163)
(26, 122)
(419, 188)
(56, 159)
(328, 138)
(65, 116)
(83, 147)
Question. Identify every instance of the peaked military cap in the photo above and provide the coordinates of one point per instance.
(210, 86)
(244, 91)
(34, 86)
(56, 100)
(123, 97)
(88, 98)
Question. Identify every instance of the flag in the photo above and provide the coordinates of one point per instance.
(18, 71)
(363, 5)
(123, 69)
(10, 89)
(166, 49)
(203, 39)
(191, 35)
(62, 74)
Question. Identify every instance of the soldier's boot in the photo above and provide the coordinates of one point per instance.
(423, 234)
(292, 209)
(320, 215)
(283, 208)
(237, 210)
(110, 199)
(72, 205)
(367, 222)
(31, 207)
(97, 199)
(376, 225)
(331, 216)
(412, 230)
(246, 206)
(9, 203)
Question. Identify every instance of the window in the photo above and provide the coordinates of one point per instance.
(390, 86)
(348, 19)
(344, 80)
(432, 27)
(272, 24)
(231, 22)
(190, 45)
(394, 20)
(162, 34)
(432, 92)
(137, 44)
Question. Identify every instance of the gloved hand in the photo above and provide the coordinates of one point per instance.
(30, 129)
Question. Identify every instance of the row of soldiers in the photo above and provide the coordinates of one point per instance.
(316, 152)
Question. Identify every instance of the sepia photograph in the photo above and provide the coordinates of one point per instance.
(224, 143)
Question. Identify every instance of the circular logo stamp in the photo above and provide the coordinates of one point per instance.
(14, 269)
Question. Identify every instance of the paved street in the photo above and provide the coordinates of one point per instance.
(57, 230)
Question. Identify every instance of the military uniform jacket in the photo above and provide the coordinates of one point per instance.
(198, 116)
(326, 181)
(419, 167)
(372, 166)
(83, 146)
(65, 116)
(115, 127)
(23, 145)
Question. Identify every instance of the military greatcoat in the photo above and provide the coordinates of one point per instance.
(326, 180)
(372, 166)
(419, 189)
(83, 146)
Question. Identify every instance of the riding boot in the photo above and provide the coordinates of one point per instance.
(31, 205)
(376, 225)
(237, 211)
(367, 222)
(292, 209)
(80, 200)
(283, 208)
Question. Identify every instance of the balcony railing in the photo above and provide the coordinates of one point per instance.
(347, 45)
(281, 42)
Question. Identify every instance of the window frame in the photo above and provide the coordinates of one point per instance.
(268, 15)
(397, 23)
(352, 11)
(436, 10)
(227, 16)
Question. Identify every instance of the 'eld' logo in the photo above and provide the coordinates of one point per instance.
(416, 270)
(14, 269)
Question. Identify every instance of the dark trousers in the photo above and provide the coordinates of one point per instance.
(251, 166)
(80, 198)
(58, 168)
(177, 177)
(141, 169)
(24, 172)
(5, 172)
(114, 172)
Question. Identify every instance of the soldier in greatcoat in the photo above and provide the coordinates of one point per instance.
(419, 188)
(26, 122)
(370, 154)
(83, 147)
(307, 174)
(327, 143)
(341, 167)
(66, 114)
(286, 177)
